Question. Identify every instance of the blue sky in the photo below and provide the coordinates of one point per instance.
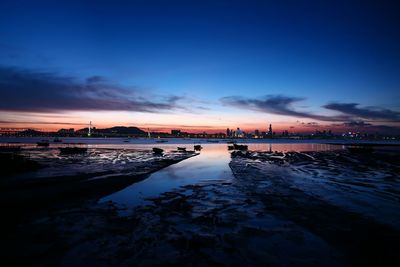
(317, 51)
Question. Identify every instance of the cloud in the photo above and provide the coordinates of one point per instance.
(276, 104)
(356, 124)
(283, 105)
(312, 124)
(371, 113)
(367, 127)
(33, 91)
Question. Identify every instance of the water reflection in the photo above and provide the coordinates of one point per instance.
(212, 164)
(291, 147)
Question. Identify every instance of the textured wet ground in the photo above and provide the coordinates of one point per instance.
(213, 224)
(326, 208)
(350, 200)
(96, 160)
(366, 183)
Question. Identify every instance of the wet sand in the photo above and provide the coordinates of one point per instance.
(62, 176)
(62, 184)
(350, 200)
(322, 208)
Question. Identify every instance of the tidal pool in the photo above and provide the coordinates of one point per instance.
(212, 164)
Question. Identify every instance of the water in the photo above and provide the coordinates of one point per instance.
(114, 154)
(225, 211)
(211, 165)
(121, 142)
(117, 155)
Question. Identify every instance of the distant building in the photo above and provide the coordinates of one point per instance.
(239, 133)
(270, 130)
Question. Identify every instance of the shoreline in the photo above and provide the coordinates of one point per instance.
(178, 140)
(275, 211)
(18, 196)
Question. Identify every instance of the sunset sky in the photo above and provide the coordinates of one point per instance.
(201, 65)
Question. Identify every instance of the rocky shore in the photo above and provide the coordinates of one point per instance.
(281, 209)
(65, 185)
(349, 200)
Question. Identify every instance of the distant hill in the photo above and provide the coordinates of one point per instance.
(121, 130)
(31, 132)
(116, 130)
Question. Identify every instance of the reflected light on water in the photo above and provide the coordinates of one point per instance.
(211, 165)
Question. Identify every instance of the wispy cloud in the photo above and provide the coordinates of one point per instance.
(276, 104)
(311, 124)
(284, 105)
(356, 124)
(371, 113)
(34, 91)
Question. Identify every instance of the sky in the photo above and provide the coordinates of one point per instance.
(201, 65)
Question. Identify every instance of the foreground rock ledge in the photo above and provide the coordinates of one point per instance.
(349, 200)
(83, 177)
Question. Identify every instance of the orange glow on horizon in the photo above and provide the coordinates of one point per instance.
(155, 122)
(277, 128)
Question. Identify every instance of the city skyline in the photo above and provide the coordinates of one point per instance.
(132, 131)
(201, 66)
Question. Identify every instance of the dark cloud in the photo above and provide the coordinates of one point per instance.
(95, 79)
(312, 124)
(371, 113)
(384, 129)
(276, 104)
(367, 127)
(283, 105)
(356, 124)
(23, 90)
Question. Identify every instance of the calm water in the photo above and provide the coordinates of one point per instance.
(113, 142)
(114, 154)
(211, 165)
